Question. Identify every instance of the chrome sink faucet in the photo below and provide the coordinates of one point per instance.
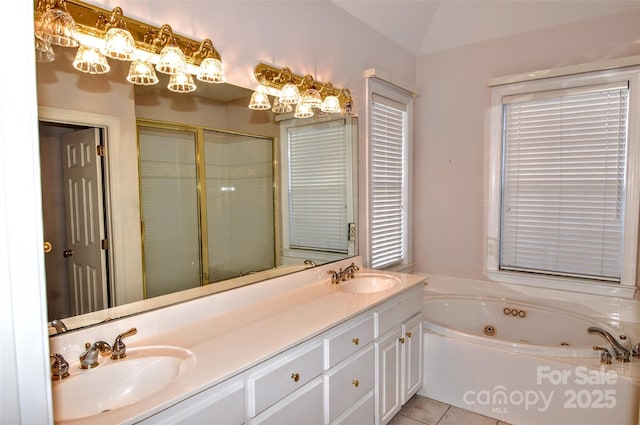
(621, 353)
(342, 275)
(59, 367)
(89, 359)
(118, 350)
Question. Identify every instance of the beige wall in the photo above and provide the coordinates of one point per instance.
(452, 118)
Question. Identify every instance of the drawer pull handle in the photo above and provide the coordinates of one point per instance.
(401, 340)
(356, 341)
(409, 334)
(295, 377)
(355, 383)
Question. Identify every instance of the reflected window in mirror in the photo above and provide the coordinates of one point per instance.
(318, 186)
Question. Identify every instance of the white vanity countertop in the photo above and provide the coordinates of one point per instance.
(229, 343)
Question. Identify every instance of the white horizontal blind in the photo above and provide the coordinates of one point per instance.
(388, 121)
(318, 218)
(563, 194)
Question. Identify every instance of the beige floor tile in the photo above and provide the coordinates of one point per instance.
(457, 416)
(403, 420)
(425, 410)
(502, 423)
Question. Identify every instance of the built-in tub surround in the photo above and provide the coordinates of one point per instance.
(499, 375)
(230, 332)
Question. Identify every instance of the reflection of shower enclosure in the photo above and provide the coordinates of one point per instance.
(207, 206)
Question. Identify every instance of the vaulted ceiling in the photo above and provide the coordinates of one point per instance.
(425, 26)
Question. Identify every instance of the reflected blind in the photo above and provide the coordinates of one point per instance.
(564, 181)
(388, 121)
(317, 155)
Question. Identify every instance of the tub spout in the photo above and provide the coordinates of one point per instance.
(621, 353)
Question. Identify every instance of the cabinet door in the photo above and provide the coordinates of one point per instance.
(388, 357)
(304, 406)
(222, 405)
(412, 357)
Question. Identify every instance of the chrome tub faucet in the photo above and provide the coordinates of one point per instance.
(620, 353)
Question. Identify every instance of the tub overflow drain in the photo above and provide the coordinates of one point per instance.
(489, 330)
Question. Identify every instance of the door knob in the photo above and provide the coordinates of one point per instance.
(68, 253)
(47, 247)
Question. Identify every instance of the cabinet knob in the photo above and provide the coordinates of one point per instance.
(355, 383)
(409, 334)
(356, 341)
(295, 377)
(401, 340)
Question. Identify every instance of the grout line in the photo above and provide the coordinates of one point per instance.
(444, 414)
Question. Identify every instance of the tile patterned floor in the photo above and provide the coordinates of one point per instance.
(422, 410)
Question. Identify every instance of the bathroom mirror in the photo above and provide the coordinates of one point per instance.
(110, 111)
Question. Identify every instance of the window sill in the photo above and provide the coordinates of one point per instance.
(563, 284)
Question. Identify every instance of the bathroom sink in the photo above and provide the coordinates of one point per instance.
(118, 383)
(369, 283)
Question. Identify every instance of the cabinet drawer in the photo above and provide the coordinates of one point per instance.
(347, 339)
(222, 404)
(362, 413)
(282, 375)
(391, 315)
(303, 406)
(348, 382)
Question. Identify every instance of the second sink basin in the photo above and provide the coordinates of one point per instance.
(118, 383)
(369, 283)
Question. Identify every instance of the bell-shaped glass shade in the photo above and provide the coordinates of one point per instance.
(44, 51)
(331, 105)
(58, 27)
(259, 101)
(211, 71)
(119, 44)
(312, 98)
(303, 111)
(90, 60)
(171, 61)
(281, 108)
(142, 73)
(181, 83)
(289, 95)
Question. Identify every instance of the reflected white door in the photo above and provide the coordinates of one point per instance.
(85, 225)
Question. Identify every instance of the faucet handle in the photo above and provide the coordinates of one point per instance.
(59, 367)
(118, 350)
(605, 356)
(335, 276)
(636, 351)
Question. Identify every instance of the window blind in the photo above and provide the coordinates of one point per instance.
(317, 155)
(388, 121)
(564, 166)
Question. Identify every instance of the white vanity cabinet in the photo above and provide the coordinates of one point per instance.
(398, 350)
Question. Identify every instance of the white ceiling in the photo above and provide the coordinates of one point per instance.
(426, 26)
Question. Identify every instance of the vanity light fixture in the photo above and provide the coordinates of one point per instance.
(118, 41)
(72, 23)
(56, 25)
(90, 60)
(260, 100)
(318, 98)
(181, 82)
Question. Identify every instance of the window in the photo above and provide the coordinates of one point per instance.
(563, 210)
(389, 113)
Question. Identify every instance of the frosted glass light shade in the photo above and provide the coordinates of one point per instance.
(259, 101)
(58, 27)
(281, 108)
(171, 60)
(211, 71)
(312, 98)
(303, 111)
(142, 73)
(181, 83)
(44, 51)
(91, 61)
(119, 44)
(289, 95)
(331, 105)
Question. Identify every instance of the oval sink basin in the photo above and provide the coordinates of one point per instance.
(118, 383)
(369, 283)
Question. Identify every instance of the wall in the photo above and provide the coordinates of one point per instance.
(452, 130)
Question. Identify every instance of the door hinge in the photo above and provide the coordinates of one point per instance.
(105, 244)
(100, 150)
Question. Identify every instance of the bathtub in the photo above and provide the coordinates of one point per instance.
(515, 326)
(524, 363)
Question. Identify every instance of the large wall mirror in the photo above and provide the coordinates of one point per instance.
(152, 197)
